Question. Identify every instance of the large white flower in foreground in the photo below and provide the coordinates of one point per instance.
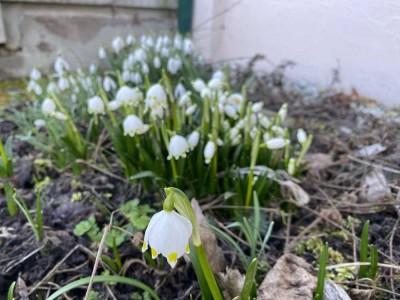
(95, 105)
(178, 146)
(133, 125)
(168, 233)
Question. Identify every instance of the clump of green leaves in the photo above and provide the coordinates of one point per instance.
(368, 254)
(6, 171)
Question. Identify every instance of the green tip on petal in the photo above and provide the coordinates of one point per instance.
(168, 205)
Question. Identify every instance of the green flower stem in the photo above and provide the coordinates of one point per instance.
(170, 92)
(183, 206)
(12, 206)
(254, 154)
(174, 171)
(103, 96)
(304, 149)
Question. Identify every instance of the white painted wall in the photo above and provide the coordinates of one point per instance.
(361, 37)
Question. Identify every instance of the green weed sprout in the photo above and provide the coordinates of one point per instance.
(367, 271)
(319, 291)
(6, 171)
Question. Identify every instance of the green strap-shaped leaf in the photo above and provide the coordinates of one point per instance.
(249, 280)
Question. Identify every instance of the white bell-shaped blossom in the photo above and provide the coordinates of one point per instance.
(137, 78)
(35, 74)
(174, 64)
(187, 46)
(264, 121)
(185, 99)
(95, 105)
(39, 123)
(117, 44)
(276, 143)
(257, 107)
(156, 62)
(130, 40)
(198, 85)
(168, 234)
(63, 83)
(179, 91)
(60, 65)
(109, 84)
(292, 166)
(102, 53)
(205, 93)
(236, 100)
(60, 116)
(51, 87)
(178, 41)
(178, 146)
(139, 55)
(133, 125)
(193, 139)
(48, 107)
(283, 112)
(164, 52)
(191, 109)
(230, 111)
(92, 69)
(129, 96)
(126, 76)
(209, 151)
(301, 136)
(156, 101)
(278, 130)
(215, 84)
(218, 75)
(145, 68)
(114, 105)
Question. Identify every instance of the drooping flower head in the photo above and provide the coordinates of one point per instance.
(133, 125)
(95, 105)
(48, 107)
(168, 234)
(193, 139)
(178, 146)
(209, 151)
(129, 96)
(156, 101)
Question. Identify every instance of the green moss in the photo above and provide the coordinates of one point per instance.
(39, 185)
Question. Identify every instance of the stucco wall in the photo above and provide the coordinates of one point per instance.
(36, 30)
(360, 37)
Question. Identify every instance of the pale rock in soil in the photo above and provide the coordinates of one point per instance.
(374, 186)
(231, 282)
(294, 191)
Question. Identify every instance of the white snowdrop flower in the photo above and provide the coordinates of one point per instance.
(215, 84)
(109, 84)
(102, 53)
(218, 75)
(38, 89)
(266, 137)
(156, 101)
(193, 139)
(35, 74)
(276, 143)
(264, 121)
(236, 100)
(257, 107)
(164, 52)
(114, 105)
(301, 136)
(39, 123)
(51, 88)
(145, 68)
(191, 109)
(126, 76)
(168, 233)
(278, 130)
(209, 151)
(187, 46)
(230, 111)
(198, 85)
(129, 96)
(139, 55)
(59, 116)
(226, 125)
(240, 124)
(185, 99)
(92, 69)
(283, 112)
(220, 142)
(178, 146)
(236, 140)
(179, 90)
(95, 105)
(292, 166)
(253, 133)
(156, 62)
(133, 125)
(253, 119)
(130, 40)
(117, 44)
(60, 65)
(149, 42)
(63, 83)
(233, 133)
(136, 78)
(178, 41)
(205, 93)
(74, 98)
(166, 40)
(174, 64)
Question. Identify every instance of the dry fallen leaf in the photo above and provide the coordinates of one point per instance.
(375, 186)
(209, 241)
(318, 161)
(231, 282)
